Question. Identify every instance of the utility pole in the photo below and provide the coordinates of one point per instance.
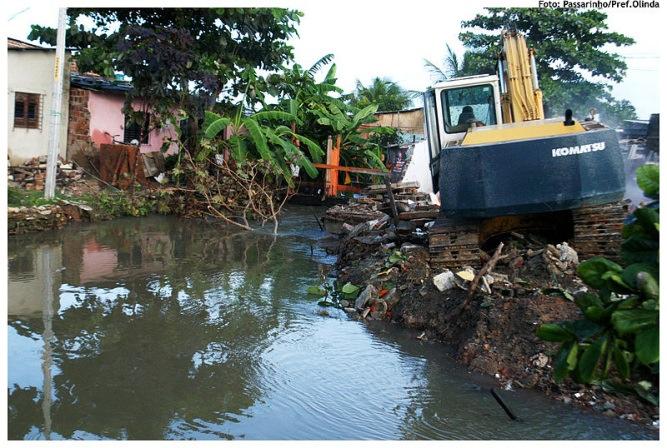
(56, 108)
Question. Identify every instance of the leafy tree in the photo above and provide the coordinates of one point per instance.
(618, 334)
(181, 59)
(300, 94)
(262, 136)
(574, 67)
(455, 67)
(388, 95)
(351, 124)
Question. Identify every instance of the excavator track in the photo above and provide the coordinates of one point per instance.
(454, 243)
(598, 230)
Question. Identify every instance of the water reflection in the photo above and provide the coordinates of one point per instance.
(159, 328)
(147, 324)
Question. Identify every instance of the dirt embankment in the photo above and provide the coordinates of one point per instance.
(493, 331)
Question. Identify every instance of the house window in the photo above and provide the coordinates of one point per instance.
(136, 127)
(27, 110)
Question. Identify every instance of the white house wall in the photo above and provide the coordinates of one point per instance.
(31, 71)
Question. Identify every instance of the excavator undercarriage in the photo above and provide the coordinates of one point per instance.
(591, 231)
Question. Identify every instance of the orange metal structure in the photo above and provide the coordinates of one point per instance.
(333, 167)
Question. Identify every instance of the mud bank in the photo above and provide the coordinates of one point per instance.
(491, 331)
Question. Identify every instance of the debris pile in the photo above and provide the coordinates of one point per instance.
(32, 174)
(373, 255)
(414, 208)
(488, 316)
(339, 219)
(406, 195)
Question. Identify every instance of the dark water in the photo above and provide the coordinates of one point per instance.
(159, 328)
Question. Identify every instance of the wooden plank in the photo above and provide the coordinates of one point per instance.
(351, 169)
(349, 188)
(394, 186)
(419, 214)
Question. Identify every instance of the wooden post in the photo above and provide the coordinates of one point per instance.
(390, 194)
(333, 159)
(327, 172)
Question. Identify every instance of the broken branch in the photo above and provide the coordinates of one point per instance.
(488, 267)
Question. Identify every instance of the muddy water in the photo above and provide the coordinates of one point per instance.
(159, 328)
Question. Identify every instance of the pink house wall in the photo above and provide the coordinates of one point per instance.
(107, 119)
(97, 262)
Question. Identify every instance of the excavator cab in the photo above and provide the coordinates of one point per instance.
(453, 107)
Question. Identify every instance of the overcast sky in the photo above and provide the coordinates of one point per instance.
(391, 39)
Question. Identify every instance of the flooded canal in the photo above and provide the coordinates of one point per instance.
(160, 328)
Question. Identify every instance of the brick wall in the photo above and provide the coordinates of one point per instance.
(78, 129)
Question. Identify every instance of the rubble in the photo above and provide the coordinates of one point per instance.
(488, 315)
(467, 274)
(444, 281)
(415, 208)
(561, 259)
(365, 297)
(31, 175)
(341, 219)
(540, 360)
(22, 220)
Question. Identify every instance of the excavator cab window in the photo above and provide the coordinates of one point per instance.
(465, 106)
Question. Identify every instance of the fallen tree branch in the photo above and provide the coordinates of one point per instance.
(488, 267)
(236, 194)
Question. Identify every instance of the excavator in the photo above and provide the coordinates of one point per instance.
(499, 166)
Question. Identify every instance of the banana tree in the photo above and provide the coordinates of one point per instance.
(263, 135)
(323, 111)
(350, 123)
(299, 93)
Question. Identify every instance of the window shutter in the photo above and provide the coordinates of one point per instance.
(27, 110)
(20, 110)
(32, 111)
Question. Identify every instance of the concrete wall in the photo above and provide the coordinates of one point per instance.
(31, 71)
(107, 119)
(408, 121)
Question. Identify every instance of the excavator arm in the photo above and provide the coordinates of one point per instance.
(521, 98)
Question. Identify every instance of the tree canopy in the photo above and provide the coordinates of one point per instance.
(575, 67)
(180, 58)
(388, 95)
(454, 66)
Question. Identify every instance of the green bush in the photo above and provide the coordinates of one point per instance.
(619, 330)
(119, 203)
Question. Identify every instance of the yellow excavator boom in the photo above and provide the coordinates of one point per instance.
(522, 99)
